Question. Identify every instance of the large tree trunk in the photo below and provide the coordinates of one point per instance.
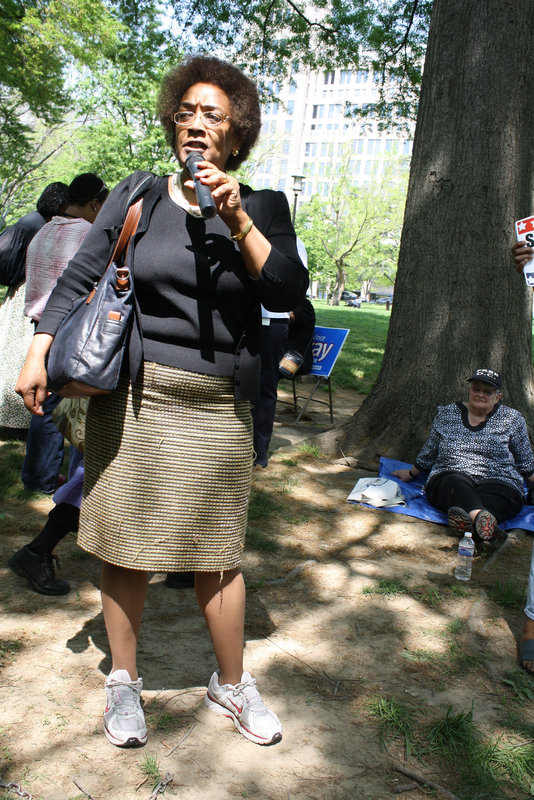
(459, 305)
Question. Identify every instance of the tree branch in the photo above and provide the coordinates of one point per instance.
(408, 29)
(331, 32)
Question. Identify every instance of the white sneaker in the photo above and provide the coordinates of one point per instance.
(124, 721)
(243, 704)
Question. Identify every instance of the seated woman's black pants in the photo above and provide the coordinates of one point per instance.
(457, 489)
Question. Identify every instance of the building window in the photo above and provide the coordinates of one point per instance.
(310, 149)
(291, 107)
(329, 76)
(392, 145)
(285, 147)
(345, 76)
(281, 184)
(407, 148)
(289, 126)
(318, 112)
(373, 146)
(361, 76)
(357, 146)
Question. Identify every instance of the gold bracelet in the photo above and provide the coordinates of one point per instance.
(238, 236)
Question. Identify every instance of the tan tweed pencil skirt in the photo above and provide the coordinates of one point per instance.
(168, 464)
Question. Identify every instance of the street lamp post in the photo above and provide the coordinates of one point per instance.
(297, 188)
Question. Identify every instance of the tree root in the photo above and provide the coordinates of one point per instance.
(424, 781)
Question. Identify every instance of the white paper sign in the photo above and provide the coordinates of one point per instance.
(524, 229)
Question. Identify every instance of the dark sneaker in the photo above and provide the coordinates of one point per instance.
(180, 580)
(459, 520)
(487, 528)
(38, 569)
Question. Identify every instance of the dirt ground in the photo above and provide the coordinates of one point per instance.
(320, 648)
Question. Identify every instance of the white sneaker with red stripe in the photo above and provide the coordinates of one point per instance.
(124, 720)
(242, 703)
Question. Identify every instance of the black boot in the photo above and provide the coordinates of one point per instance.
(38, 569)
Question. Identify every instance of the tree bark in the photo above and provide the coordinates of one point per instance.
(459, 305)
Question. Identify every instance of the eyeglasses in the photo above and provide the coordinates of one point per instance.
(211, 119)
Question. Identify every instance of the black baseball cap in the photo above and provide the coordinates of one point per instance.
(487, 376)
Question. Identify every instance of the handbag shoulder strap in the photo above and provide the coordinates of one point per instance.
(128, 229)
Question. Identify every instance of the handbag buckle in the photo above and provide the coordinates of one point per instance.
(122, 276)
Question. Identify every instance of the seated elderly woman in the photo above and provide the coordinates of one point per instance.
(477, 454)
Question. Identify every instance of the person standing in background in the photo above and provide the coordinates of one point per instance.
(16, 331)
(274, 333)
(48, 254)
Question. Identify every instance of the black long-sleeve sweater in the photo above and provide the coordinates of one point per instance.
(198, 308)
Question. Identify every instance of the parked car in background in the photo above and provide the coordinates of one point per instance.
(346, 296)
(384, 300)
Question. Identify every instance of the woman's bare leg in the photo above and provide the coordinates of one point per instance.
(123, 599)
(223, 604)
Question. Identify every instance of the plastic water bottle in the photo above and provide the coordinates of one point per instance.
(464, 564)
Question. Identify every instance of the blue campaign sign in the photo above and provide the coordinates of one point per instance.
(326, 346)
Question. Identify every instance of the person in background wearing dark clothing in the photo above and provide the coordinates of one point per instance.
(274, 336)
(47, 257)
(35, 561)
(16, 332)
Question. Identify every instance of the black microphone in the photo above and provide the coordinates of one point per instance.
(206, 202)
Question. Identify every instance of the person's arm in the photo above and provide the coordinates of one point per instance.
(407, 475)
(522, 254)
(519, 446)
(31, 384)
(260, 225)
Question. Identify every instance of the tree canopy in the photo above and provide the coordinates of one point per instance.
(85, 73)
(352, 236)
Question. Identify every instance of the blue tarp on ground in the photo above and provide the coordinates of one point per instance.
(418, 506)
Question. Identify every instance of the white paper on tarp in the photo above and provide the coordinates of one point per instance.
(377, 492)
(524, 229)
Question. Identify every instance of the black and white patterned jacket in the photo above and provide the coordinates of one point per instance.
(496, 449)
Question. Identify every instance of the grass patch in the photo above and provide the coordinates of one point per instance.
(8, 647)
(428, 595)
(261, 504)
(309, 450)
(455, 659)
(258, 540)
(163, 721)
(396, 720)
(459, 591)
(509, 594)
(522, 685)
(388, 587)
(480, 766)
(290, 462)
(149, 766)
(359, 362)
